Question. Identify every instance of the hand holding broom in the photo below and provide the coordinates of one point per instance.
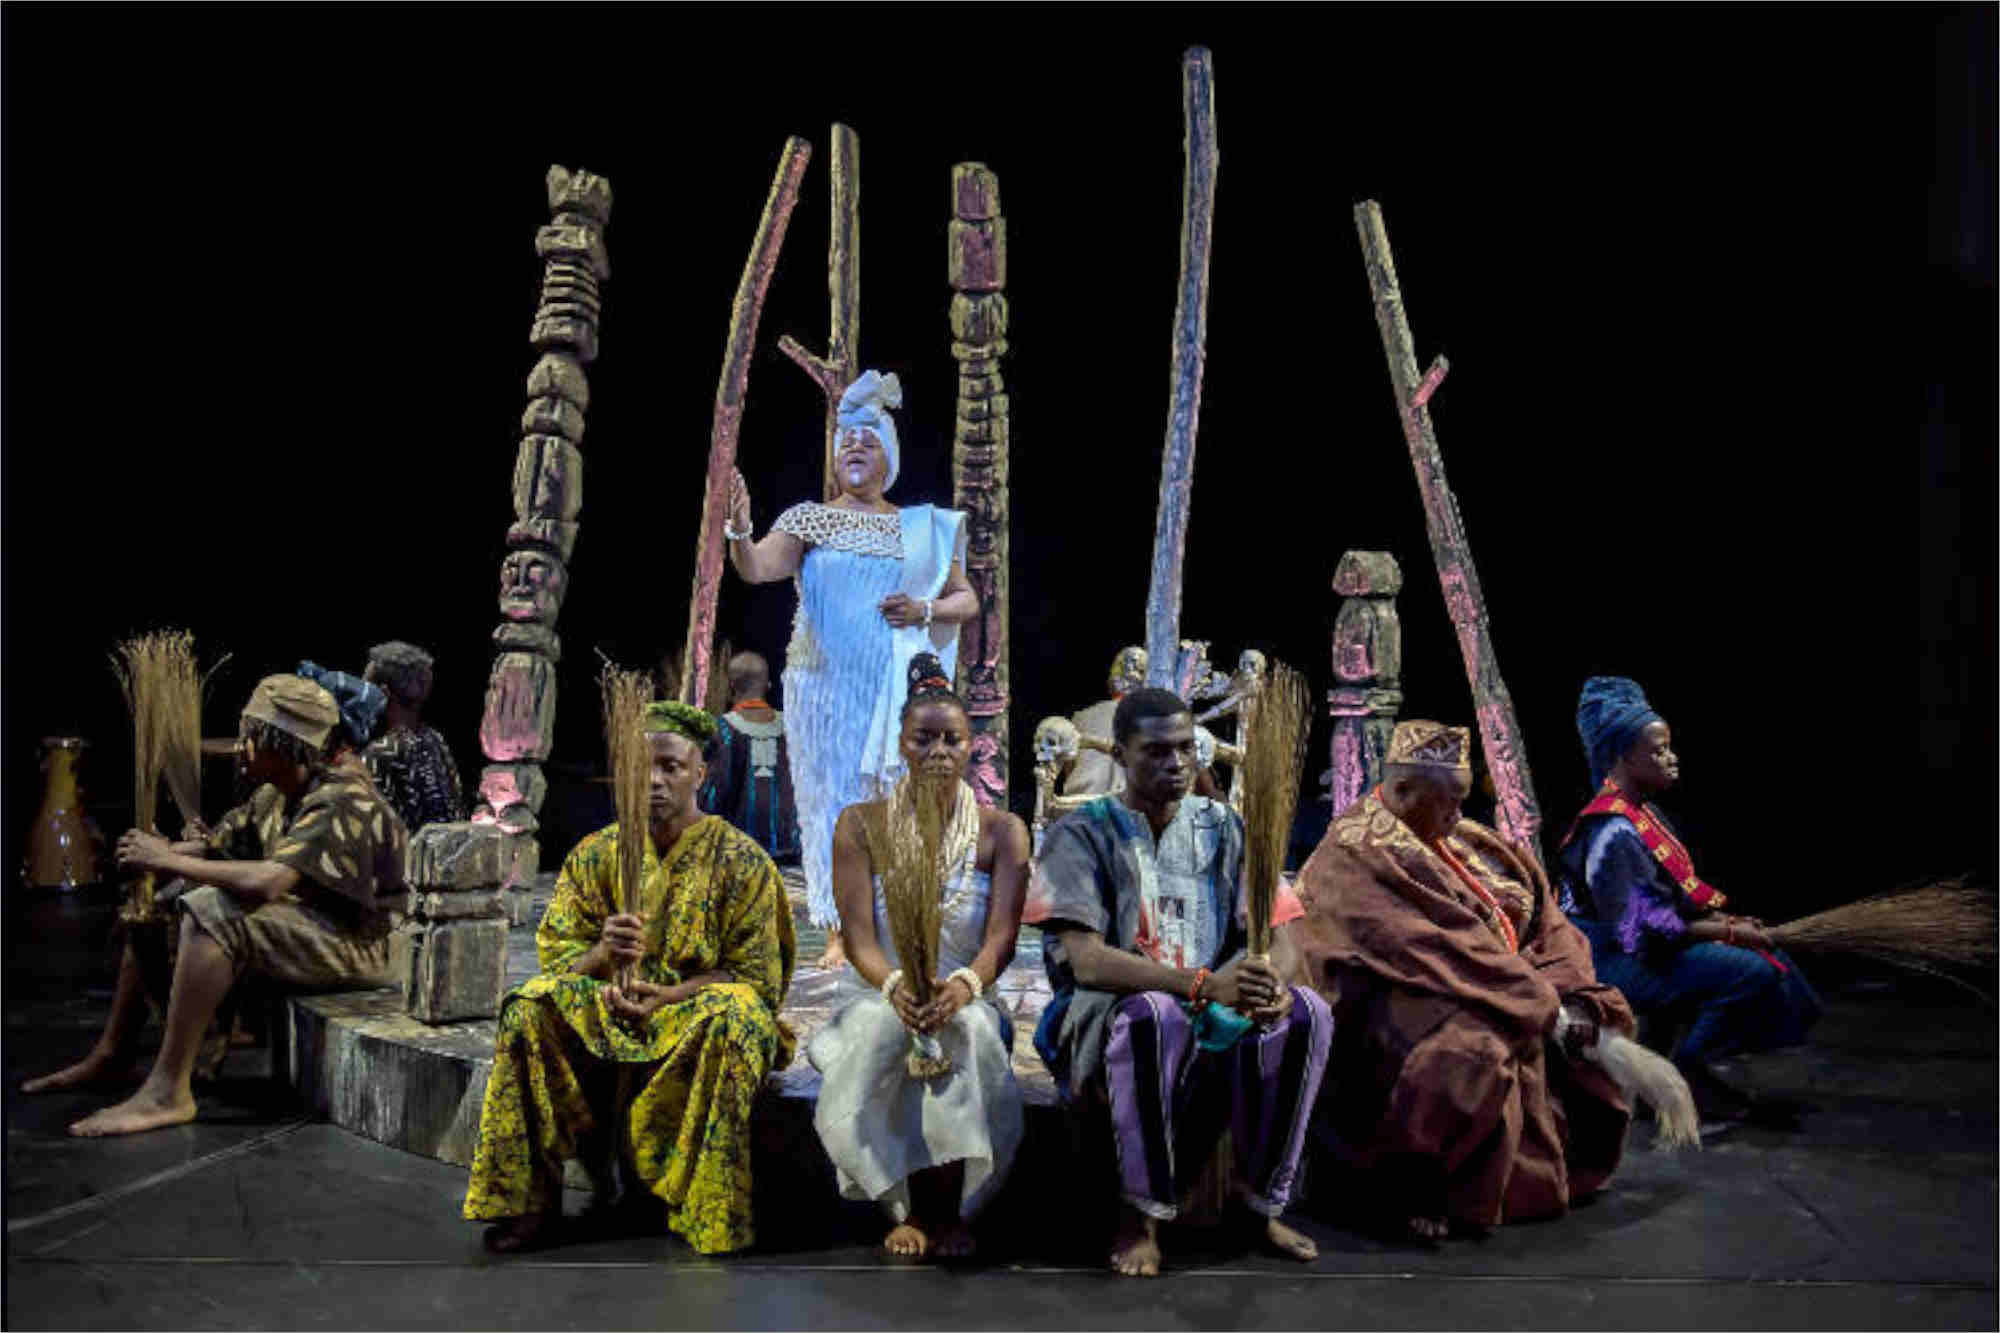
(626, 694)
(1274, 753)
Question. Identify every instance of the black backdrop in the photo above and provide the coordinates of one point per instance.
(1717, 286)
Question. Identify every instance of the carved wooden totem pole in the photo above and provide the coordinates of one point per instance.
(1368, 664)
(978, 271)
(459, 873)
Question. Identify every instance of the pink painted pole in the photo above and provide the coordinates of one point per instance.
(730, 391)
(1520, 817)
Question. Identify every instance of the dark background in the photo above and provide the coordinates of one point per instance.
(1717, 286)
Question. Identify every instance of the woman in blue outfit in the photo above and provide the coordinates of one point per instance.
(1657, 931)
(877, 584)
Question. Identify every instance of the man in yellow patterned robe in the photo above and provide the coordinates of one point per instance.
(708, 936)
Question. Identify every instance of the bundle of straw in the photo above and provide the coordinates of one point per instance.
(913, 897)
(1274, 746)
(1919, 929)
(626, 694)
(162, 688)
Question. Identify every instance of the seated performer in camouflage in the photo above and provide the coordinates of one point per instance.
(710, 937)
(411, 764)
(294, 885)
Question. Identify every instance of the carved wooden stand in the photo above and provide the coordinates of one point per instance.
(1368, 664)
(453, 961)
(978, 271)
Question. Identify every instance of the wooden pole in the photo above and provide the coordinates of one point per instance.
(1519, 815)
(836, 370)
(728, 419)
(976, 268)
(1163, 595)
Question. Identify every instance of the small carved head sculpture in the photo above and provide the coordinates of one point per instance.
(1251, 668)
(1056, 741)
(1128, 671)
(531, 586)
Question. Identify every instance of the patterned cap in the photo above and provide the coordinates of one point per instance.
(682, 719)
(295, 706)
(1431, 745)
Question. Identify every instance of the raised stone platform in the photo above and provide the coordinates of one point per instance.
(364, 1064)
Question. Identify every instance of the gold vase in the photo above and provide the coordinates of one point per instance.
(60, 855)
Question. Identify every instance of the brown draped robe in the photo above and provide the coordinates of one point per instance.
(1442, 1076)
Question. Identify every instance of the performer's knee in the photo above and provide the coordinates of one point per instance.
(1146, 1012)
(734, 1011)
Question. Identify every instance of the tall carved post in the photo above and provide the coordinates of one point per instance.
(1368, 664)
(839, 367)
(977, 267)
(456, 964)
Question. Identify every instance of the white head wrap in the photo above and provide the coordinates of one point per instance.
(865, 406)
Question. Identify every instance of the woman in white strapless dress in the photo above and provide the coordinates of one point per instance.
(932, 1151)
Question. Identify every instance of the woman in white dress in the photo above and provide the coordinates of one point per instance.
(877, 584)
(932, 1151)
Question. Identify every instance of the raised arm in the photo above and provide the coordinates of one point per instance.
(776, 557)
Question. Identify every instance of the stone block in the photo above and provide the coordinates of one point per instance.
(553, 416)
(978, 257)
(1367, 574)
(983, 409)
(458, 970)
(548, 534)
(579, 244)
(583, 192)
(558, 376)
(577, 336)
(527, 637)
(548, 478)
(467, 906)
(975, 192)
(463, 858)
(989, 429)
(505, 785)
(520, 719)
(979, 318)
(515, 819)
(532, 584)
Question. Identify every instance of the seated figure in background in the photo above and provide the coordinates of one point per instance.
(1159, 1010)
(750, 771)
(932, 1151)
(1466, 1004)
(412, 766)
(1656, 930)
(1092, 772)
(293, 885)
(707, 942)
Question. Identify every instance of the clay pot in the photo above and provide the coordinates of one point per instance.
(60, 855)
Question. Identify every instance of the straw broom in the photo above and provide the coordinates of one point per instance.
(1944, 924)
(1273, 765)
(626, 694)
(913, 894)
(162, 688)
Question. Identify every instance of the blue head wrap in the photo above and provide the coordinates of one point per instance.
(1609, 717)
(361, 702)
(865, 406)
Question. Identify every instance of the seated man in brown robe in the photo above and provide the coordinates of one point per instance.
(1464, 1005)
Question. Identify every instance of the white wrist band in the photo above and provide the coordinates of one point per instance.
(970, 977)
(889, 984)
(733, 535)
(928, 608)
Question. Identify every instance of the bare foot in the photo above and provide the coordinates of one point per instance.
(906, 1240)
(954, 1241)
(835, 956)
(96, 1070)
(143, 1110)
(1135, 1250)
(1292, 1244)
(1429, 1228)
(515, 1234)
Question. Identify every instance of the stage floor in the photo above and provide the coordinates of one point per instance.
(1877, 1212)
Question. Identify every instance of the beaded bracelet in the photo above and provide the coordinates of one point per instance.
(733, 535)
(970, 978)
(889, 984)
(1194, 991)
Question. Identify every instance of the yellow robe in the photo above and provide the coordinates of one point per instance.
(713, 903)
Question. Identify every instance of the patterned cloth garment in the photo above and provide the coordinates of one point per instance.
(713, 903)
(414, 770)
(750, 782)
